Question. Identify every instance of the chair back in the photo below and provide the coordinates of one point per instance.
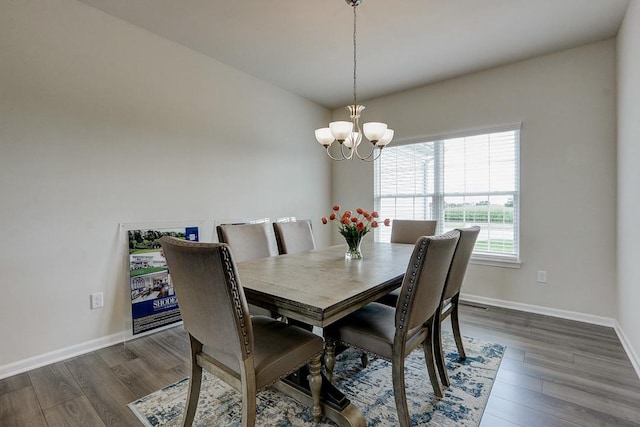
(409, 230)
(211, 299)
(247, 241)
(460, 261)
(424, 280)
(295, 236)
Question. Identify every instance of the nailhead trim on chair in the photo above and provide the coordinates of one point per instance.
(421, 251)
(231, 279)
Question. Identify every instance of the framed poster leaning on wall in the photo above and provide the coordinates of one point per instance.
(153, 300)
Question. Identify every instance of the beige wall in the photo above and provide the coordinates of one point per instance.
(566, 103)
(629, 177)
(103, 123)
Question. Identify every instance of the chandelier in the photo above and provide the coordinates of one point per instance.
(349, 133)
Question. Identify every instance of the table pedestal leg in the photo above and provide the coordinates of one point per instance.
(335, 405)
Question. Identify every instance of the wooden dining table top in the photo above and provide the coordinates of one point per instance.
(320, 286)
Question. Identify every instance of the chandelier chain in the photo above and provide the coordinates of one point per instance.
(355, 100)
(349, 135)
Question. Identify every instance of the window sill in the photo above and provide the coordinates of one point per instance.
(494, 261)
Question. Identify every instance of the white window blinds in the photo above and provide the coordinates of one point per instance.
(458, 180)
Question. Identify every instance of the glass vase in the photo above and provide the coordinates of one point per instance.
(353, 247)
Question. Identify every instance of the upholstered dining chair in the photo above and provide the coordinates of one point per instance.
(249, 242)
(294, 236)
(407, 231)
(451, 298)
(394, 333)
(247, 352)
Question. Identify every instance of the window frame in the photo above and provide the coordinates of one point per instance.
(438, 197)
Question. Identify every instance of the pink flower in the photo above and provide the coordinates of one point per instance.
(360, 220)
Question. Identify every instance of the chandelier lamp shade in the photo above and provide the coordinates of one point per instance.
(348, 134)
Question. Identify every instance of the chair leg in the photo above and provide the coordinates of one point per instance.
(249, 409)
(455, 324)
(329, 356)
(315, 383)
(248, 376)
(428, 356)
(364, 359)
(194, 384)
(438, 351)
(399, 392)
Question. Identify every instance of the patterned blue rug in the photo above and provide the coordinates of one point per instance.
(369, 389)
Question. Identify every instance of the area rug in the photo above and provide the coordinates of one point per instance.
(370, 389)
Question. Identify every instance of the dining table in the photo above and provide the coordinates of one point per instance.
(318, 287)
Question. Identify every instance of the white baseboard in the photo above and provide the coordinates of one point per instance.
(59, 355)
(633, 356)
(75, 350)
(553, 312)
(563, 314)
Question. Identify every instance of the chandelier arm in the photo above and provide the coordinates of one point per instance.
(373, 147)
(371, 157)
(357, 131)
(348, 156)
(335, 158)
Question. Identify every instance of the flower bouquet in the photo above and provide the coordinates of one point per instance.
(354, 227)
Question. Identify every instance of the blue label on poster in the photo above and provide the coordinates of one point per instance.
(191, 234)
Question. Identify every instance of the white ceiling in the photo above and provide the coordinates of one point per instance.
(305, 46)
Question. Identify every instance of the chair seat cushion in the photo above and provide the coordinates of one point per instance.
(371, 328)
(279, 347)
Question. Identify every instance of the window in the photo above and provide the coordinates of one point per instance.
(460, 181)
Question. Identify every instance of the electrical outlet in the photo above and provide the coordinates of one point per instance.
(97, 300)
(542, 276)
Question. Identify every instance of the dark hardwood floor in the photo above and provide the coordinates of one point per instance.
(555, 372)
